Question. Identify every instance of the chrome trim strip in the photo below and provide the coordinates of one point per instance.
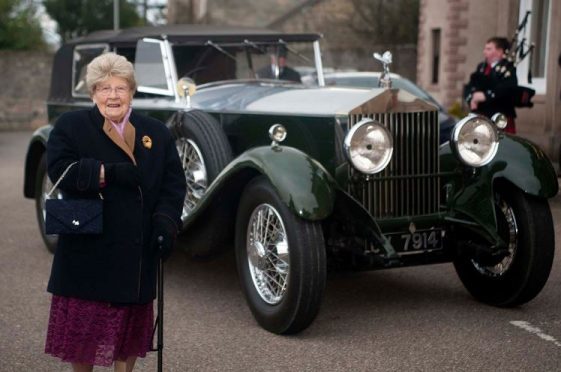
(319, 64)
(171, 69)
(163, 92)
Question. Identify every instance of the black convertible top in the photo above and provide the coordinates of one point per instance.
(193, 34)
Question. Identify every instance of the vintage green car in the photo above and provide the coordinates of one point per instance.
(305, 178)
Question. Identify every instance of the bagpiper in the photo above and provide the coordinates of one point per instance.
(492, 86)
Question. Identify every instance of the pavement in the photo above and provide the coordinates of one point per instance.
(418, 318)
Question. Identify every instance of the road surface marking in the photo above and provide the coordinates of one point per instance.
(536, 331)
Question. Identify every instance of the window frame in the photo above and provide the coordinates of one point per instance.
(538, 83)
(436, 53)
(105, 48)
(168, 64)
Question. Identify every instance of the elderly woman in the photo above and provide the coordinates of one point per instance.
(103, 285)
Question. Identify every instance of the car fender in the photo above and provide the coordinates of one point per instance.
(526, 166)
(518, 162)
(302, 183)
(37, 146)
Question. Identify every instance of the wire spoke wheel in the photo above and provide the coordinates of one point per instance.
(268, 253)
(525, 225)
(47, 185)
(204, 151)
(508, 229)
(280, 259)
(195, 173)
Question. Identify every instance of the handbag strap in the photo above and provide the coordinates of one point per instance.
(60, 179)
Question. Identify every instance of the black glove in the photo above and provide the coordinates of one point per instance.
(163, 226)
(124, 174)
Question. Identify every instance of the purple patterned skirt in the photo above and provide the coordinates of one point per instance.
(98, 333)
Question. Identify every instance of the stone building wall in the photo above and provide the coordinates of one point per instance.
(26, 78)
(465, 27)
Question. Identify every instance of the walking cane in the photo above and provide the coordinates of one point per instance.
(160, 318)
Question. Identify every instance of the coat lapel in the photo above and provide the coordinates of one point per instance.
(126, 144)
(129, 136)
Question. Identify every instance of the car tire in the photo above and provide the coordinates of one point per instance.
(42, 186)
(525, 223)
(204, 151)
(288, 300)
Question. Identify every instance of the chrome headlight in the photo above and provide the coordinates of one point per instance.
(500, 120)
(277, 133)
(475, 140)
(369, 146)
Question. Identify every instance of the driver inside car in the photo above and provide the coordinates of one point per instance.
(278, 68)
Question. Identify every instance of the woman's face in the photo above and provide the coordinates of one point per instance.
(113, 98)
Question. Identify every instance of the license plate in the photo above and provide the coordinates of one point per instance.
(417, 242)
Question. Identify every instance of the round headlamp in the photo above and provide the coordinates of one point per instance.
(369, 146)
(500, 120)
(277, 133)
(475, 140)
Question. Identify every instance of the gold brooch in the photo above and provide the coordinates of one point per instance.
(147, 142)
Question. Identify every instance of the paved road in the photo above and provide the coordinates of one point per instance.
(397, 320)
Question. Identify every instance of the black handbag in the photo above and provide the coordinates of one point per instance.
(73, 216)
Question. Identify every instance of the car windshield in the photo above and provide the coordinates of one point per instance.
(216, 62)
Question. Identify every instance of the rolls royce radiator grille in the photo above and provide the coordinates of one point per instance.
(410, 184)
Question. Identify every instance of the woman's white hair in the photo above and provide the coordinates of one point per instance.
(107, 65)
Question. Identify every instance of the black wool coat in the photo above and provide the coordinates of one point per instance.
(119, 265)
(499, 87)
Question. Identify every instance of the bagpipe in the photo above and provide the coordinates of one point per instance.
(520, 49)
(523, 96)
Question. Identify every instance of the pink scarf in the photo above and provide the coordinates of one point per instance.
(120, 126)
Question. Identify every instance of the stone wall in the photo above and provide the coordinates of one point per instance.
(26, 78)
(465, 26)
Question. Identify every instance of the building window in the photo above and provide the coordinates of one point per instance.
(536, 32)
(539, 36)
(435, 55)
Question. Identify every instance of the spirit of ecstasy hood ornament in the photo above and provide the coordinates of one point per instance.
(386, 59)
